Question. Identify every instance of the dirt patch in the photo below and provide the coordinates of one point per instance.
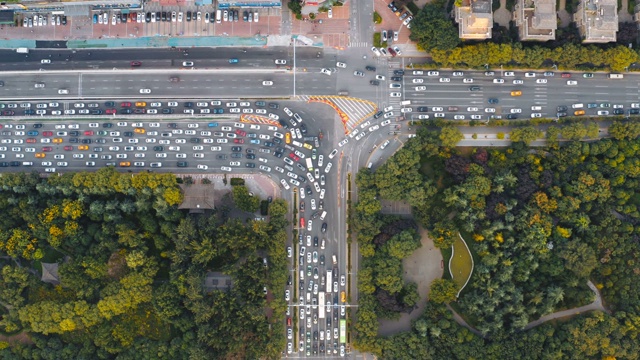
(21, 338)
(422, 267)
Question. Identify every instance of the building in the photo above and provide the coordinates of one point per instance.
(536, 20)
(215, 280)
(475, 19)
(597, 20)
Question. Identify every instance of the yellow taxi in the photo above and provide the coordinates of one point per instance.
(125, 164)
(516, 93)
(57, 140)
(139, 130)
(287, 138)
(141, 104)
(578, 112)
(343, 296)
(307, 146)
(40, 155)
(83, 147)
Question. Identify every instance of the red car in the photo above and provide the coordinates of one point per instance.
(110, 111)
(31, 140)
(68, 148)
(125, 104)
(136, 63)
(238, 141)
(302, 222)
(88, 133)
(47, 148)
(294, 156)
(241, 132)
(47, 133)
(566, 75)
(8, 113)
(392, 52)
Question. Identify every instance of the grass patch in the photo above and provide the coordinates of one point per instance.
(413, 8)
(495, 5)
(377, 19)
(461, 263)
(619, 4)
(631, 6)
(510, 5)
(50, 256)
(377, 39)
(558, 5)
(446, 255)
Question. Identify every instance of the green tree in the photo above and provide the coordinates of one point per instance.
(579, 258)
(432, 29)
(525, 134)
(624, 130)
(443, 291)
(450, 136)
(244, 201)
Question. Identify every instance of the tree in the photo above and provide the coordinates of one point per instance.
(579, 258)
(450, 136)
(433, 30)
(526, 134)
(624, 130)
(244, 201)
(443, 291)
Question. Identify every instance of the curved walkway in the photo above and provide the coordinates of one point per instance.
(595, 305)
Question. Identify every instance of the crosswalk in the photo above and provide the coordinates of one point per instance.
(359, 44)
(352, 111)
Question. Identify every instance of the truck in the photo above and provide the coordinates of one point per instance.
(329, 280)
(22, 50)
(309, 164)
(321, 305)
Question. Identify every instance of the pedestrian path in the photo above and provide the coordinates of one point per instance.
(357, 44)
(352, 111)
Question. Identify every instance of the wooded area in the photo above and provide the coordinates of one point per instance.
(541, 222)
(132, 269)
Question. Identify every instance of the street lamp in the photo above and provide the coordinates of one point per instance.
(555, 66)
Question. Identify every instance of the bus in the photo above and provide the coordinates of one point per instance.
(321, 305)
(329, 280)
(343, 331)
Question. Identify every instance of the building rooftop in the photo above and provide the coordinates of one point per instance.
(475, 19)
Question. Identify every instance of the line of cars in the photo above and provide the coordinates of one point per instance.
(43, 20)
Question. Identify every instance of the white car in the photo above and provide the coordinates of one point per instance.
(395, 94)
(509, 73)
(433, 73)
(281, 62)
(498, 81)
(325, 71)
(417, 81)
(341, 65)
(445, 80)
(467, 81)
(421, 88)
(375, 51)
(536, 115)
(476, 117)
(489, 110)
(518, 82)
(530, 74)
(384, 123)
(541, 81)
(458, 117)
(374, 128)
(572, 82)
(145, 91)
(471, 109)
(516, 111)
(202, 167)
(437, 108)
(267, 83)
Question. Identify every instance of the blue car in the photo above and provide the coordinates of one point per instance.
(95, 18)
(255, 141)
(233, 61)
(32, 133)
(218, 111)
(213, 124)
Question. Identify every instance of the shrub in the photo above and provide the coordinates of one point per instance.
(377, 19)
(237, 182)
(377, 38)
(495, 5)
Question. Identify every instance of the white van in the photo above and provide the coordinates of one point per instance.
(63, 91)
(536, 108)
(308, 298)
(616, 76)
(335, 260)
(27, 163)
(406, 102)
(577, 106)
(218, 16)
(324, 213)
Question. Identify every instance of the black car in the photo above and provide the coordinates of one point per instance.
(4, 164)
(474, 88)
(183, 164)
(512, 116)
(561, 114)
(277, 140)
(127, 133)
(164, 16)
(493, 101)
(172, 125)
(64, 20)
(301, 281)
(398, 72)
(101, 141)
(303, 128)
(236, 148)
(245, 16)
(14, 163)
(283, 124)
(188, 104)
(188, 15)
(261, 103)
(167, 111)
(251, 156)
(107, 125)
(148, 17)
(289, 280)
(74, 133)
(221, 157)
(110, 104)
(158, 16)
(236, 155)
(123, 17)
(370, 68)
(315, 241)
(396, 78)
(86, 141)
(29, 112)
(250, 165)
(158, 148)
(374, 82)
(96, 112)
(634, 111)
(274, 106)
(377, 115)
(194, 140)
(618, 112)
(308, 188)
(74, 140)
(423, 109)
(125, 111)
(37, 126)
(562, 108)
